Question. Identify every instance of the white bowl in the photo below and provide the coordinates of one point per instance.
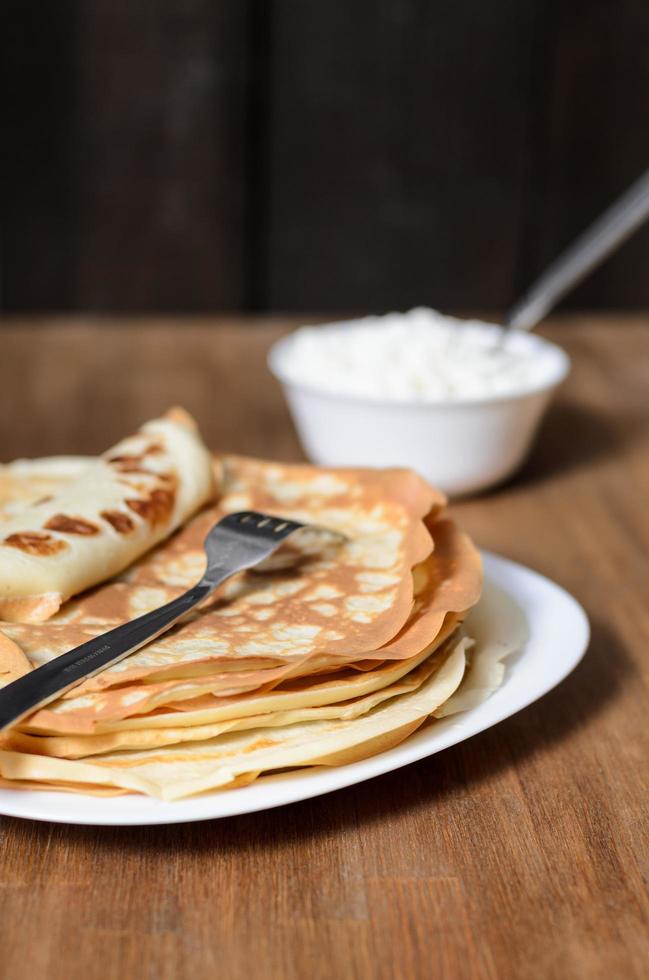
(459, 446)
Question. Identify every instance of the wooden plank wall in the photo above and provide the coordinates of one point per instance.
(125, 174)
(198, 155)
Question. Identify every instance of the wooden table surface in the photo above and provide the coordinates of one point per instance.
(523, 852)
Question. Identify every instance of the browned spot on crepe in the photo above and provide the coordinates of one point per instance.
(35, 543)
(94, 552)
(155, 507)
(120, 522)
(127, 459)
(71, 525)
(134, 467)
(453, 579)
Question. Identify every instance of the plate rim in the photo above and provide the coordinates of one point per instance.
(309, 783)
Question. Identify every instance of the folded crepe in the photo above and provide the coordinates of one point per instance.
(319, 597)
(176, 771)
(345, 694)
(332, 723)
(109, 513)
(331, 652)
(450, 579)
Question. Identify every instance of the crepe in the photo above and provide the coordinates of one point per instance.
(13, 662)
(174, 772)
(309, 691)
(319, 598)
(25, 481)
(450, 577)
(449, 581)
(114, 510)
(344, 697)
(501, 630)
(337, 648)
(459, 674)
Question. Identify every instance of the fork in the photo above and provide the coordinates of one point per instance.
(236, 542)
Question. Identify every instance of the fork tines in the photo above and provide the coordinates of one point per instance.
(264, 525)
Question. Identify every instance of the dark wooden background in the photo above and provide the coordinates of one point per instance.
(200, 155)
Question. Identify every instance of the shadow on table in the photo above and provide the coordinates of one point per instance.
(459, 770)
(573, 436)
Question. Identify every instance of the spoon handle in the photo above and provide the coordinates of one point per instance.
(607, 232)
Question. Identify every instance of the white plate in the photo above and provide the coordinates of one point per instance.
(558, 635)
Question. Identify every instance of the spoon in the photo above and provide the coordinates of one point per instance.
(596, 243)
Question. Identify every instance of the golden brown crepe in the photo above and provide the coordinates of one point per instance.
(457, 675)
(452, 577)
(176, 771)
(332, 599)
(346, 697)
(334, 650)
(13, 662)
(115, 509)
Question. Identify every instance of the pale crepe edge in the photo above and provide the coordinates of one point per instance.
(486, 670)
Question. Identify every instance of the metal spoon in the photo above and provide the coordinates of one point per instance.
(610, 230)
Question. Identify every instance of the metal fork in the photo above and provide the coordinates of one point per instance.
(237, 542)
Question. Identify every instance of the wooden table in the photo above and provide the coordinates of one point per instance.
(520, 853)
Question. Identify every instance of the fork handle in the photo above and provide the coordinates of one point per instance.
(38, 688)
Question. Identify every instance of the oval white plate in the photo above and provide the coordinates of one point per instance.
(558, 635)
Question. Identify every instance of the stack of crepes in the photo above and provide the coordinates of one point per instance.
(332, 651)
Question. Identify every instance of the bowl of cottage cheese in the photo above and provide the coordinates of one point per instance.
(457, 400)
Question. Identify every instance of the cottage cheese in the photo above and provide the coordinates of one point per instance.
(420, 356)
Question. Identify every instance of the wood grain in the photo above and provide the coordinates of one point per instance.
(523, 852)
